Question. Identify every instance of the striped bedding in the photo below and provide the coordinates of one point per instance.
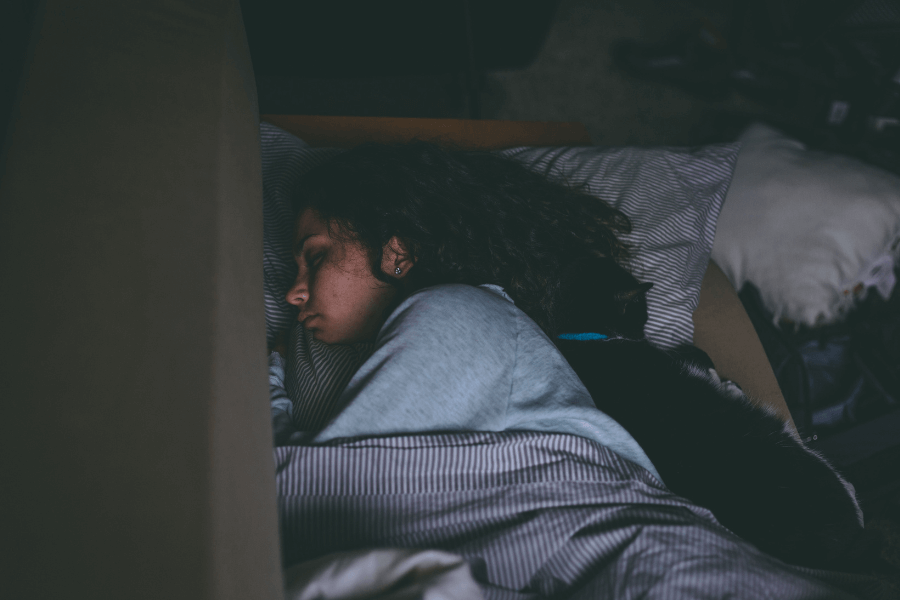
(535, 515)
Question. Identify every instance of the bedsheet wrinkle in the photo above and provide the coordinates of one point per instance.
(534, 514)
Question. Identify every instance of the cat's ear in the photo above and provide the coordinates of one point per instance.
(626, 297)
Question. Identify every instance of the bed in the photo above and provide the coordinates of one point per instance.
(138, 443)
(508, 506)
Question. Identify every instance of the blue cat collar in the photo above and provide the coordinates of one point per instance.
(581, 336)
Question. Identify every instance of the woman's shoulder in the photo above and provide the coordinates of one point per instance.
(458, 305)
(452, 293)
(486, 308)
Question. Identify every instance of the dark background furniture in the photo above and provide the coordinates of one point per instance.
(439, 44)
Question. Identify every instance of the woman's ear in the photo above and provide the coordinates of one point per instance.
(396, 256)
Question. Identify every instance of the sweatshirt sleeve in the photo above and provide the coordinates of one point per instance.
(283, 429)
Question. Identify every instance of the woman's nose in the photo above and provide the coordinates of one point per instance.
(298, 294)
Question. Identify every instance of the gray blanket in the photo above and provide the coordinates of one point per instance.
(536, 515)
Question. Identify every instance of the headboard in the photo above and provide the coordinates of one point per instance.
(346, 132)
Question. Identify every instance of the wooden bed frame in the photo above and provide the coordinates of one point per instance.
(346, 132)
(721, 325)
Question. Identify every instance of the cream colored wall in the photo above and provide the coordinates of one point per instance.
(136, 442)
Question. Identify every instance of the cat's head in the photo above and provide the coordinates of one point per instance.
(600, 296)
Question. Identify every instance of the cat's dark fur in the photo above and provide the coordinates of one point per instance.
(709, 443)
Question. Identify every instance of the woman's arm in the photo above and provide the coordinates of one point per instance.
(723, 330)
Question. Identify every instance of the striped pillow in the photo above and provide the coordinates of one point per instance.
(672, 196)
(315, 373)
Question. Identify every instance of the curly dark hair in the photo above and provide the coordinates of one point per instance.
(468, 217)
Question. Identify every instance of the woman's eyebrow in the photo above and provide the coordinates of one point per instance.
(298, 247)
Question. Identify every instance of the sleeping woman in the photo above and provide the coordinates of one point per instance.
(465, 276)
(391, 246)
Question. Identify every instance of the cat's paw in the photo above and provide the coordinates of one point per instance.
(727, 387)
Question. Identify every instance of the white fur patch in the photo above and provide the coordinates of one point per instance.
(729, 388)
(700, 373)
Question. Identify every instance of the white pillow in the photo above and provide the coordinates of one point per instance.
(812, 230)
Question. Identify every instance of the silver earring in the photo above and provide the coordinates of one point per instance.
(397, 271)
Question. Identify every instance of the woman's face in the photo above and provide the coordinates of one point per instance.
(340, 300)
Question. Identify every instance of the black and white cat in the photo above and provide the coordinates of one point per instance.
(708, 441)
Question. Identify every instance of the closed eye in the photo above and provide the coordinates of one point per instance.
(315, 260)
